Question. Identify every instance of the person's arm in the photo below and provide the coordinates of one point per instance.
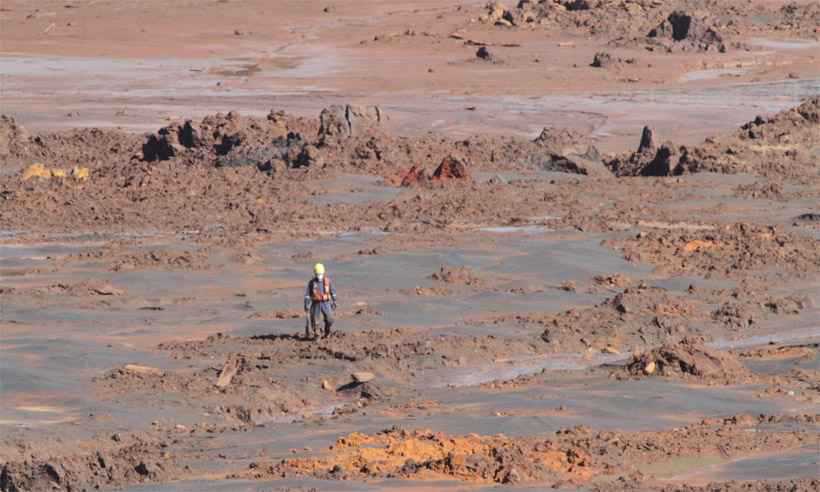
(308, 295)
(333, 293)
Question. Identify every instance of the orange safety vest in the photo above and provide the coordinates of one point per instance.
(316, 295)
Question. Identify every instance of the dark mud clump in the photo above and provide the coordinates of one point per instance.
(685, 32)
(690, 359)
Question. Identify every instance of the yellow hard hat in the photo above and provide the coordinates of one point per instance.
(319, 269)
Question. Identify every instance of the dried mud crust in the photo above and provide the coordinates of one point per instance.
(730, 251)
(569, 457)
(784, 146)
(108, 462)
(643, 22)
(639, 316)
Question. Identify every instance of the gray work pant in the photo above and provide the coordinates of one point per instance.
(324, 310)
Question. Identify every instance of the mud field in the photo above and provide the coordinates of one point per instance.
(576, 245)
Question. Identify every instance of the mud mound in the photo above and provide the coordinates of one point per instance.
(732, 251)
(128, 460)
(783, 146)
(690, 359)
(635, 316)
(14, 140)
(85, 147)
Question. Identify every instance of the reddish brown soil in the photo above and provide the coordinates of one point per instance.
(570, 457)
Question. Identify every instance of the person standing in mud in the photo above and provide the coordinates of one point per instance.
(320, 299)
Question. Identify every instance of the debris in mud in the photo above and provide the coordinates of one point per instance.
(603, 60)
(690, 359)
(808, 218)
(456, 275)
(781, 147)
(682, 31)
(768, 191)
(231, 368)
